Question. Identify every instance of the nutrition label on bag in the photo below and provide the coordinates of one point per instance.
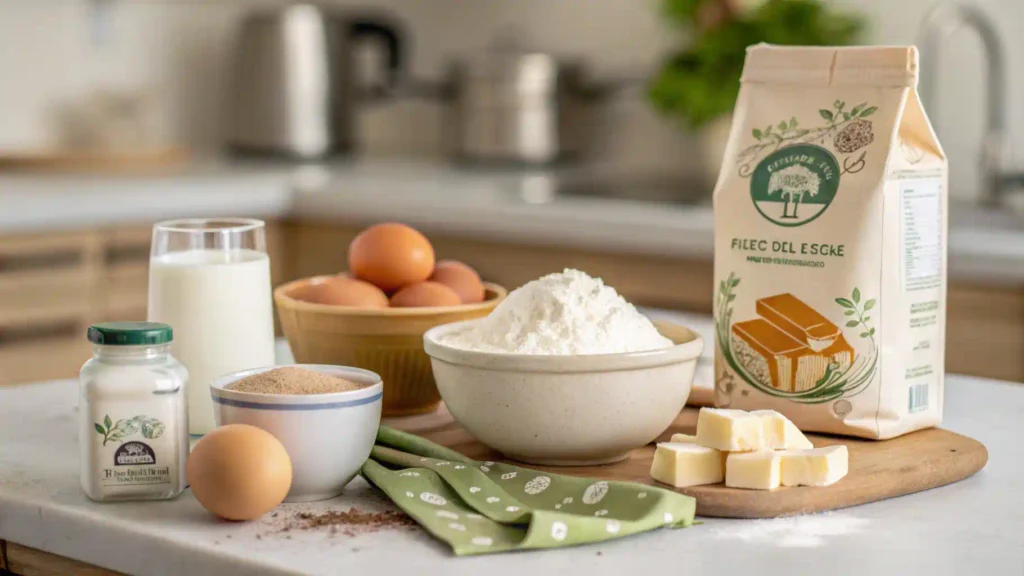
(921, 233)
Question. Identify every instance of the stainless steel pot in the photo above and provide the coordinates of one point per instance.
(292, 89)
(508, 105)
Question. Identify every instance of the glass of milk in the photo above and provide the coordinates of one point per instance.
(210, 280)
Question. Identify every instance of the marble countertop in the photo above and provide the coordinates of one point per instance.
(984, 246)
(41, 203)
(949, 530)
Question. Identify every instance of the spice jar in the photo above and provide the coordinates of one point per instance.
(132, 408)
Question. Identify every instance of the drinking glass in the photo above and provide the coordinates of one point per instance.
(210, 280)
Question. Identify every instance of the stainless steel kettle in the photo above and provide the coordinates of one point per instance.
(512, 105)
(516, 106)
(291, 90)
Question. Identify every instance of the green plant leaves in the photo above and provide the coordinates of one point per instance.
(853, 309)
(868, 111)
(682, 11)
(698, 82)
(723, 307)
(826, 114)
(120, 430)
(132, 426)
(152, 428)
(757, 133)
(839, 104)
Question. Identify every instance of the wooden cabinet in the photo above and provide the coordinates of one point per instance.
(985, 332)
(25, 561)
(125, 273)
(52, 286)
(47, 290)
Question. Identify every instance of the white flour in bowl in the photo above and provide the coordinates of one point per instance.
(566, 313)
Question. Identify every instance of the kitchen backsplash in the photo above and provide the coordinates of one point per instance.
(179, 51)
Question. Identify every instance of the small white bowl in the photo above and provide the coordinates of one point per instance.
(565, 410)
(328, 436)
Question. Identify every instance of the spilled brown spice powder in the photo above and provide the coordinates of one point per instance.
(352, 522)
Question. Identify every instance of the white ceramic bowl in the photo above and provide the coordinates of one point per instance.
(565, 410)
(328, 436)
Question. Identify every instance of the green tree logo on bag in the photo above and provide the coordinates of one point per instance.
(794, 185)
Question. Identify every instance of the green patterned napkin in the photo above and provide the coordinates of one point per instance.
(481, 507)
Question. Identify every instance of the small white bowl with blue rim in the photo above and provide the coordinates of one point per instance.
(327, 436)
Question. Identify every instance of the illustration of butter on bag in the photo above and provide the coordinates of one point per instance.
(791, 347)
(799, 320)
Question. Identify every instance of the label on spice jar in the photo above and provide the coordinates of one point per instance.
(133, 451)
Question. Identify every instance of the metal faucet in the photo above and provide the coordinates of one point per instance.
(938, 25)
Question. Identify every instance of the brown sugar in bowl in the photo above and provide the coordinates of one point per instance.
(388, 341)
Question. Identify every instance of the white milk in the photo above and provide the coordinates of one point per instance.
(219, 305)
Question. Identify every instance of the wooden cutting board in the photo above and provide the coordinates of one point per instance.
(878, 470)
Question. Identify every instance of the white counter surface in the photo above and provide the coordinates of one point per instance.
(975, 524)
(496, 205)
(66, 202)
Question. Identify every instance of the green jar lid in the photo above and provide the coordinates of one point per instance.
(130, 333)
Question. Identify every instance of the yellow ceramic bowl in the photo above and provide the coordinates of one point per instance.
(388, 341)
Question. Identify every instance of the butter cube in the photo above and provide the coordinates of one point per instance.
(780, 433)
(730, 430)
(815, 467)
(760, 470)
(681, 464)
(687, 439)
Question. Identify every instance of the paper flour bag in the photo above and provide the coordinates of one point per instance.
(830, 244)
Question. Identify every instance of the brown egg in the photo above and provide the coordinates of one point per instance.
(423, 294)
(460, 278)
(342, 291)
(391, 256)
(239, 472)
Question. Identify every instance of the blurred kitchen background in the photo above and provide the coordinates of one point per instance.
(522, 136)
